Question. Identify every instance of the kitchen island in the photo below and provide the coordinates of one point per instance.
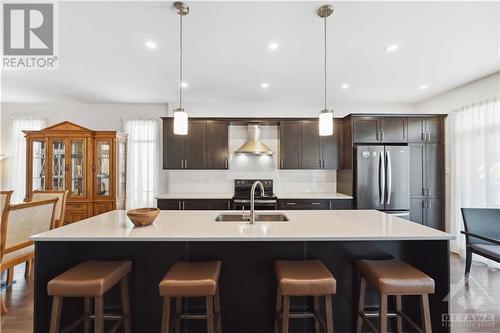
(247, 252)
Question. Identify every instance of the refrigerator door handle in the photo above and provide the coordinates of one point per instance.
(381, 178)
(389, 177)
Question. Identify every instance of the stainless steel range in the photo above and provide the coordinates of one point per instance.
(241, 197)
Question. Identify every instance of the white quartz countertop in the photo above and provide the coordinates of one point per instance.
(312, 195)
(195, 196)
(306, 225)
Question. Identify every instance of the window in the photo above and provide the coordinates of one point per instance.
(17, 159)
(142, 161)
(475, 161)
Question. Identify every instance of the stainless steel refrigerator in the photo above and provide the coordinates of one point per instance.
(383, 179)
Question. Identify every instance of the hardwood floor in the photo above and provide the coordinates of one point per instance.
(480, 297)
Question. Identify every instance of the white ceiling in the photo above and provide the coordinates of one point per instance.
(103, 58)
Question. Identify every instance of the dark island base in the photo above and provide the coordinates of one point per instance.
(248, 284)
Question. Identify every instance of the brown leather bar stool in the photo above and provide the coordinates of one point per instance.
(393, 278)
(91, 280)
(192, 279)
(303, 278)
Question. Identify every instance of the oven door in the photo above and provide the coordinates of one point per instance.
(240, 204)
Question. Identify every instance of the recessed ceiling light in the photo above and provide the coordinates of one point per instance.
(345, 86)
(273, 46)
(392, 48)
(184, 84)
(422, 87)
(151, 44)
(264, 85)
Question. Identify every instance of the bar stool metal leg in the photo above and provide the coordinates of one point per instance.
(399, 309)
(210, 314)
(165, 322)
(88, 312)
(426, 313)
(361, 304)
(56, 314)
(317, 325)
(125, 305)
(98, 313)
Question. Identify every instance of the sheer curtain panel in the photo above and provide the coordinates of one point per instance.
(142, 161)
(17, 159)
(475, 162)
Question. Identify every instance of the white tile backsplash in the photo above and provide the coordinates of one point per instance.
(222, 181)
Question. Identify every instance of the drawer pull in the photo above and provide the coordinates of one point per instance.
(315, 203)
(290, 203)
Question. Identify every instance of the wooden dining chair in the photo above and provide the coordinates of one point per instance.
(19, 223)
(4, 201)
(60, 206)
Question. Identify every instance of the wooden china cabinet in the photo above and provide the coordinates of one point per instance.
(91, 165)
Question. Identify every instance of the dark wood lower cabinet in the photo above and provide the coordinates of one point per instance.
(428, 212)
(194, 204)
(313, 204)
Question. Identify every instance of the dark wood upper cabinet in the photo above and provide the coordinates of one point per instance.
(173, 147)
(204, 147)
(195, 145)
(301, 146)
(331, 148)
(379, 129)
(425, 129)
(310, 145)
(289, 145)
(365, 129)
(393, 129)
(217, 145)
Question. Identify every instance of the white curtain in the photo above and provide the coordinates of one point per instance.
(17, 159)
(475, 163)
(142, 161)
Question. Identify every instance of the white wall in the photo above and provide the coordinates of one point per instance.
(485, 88)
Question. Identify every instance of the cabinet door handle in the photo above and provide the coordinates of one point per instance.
(290, 203)
(428, 204)
(429, 192)
(382, 136)
(424, 136)
(226, 164)
(180, 205)
(315, 203)
(330, 205)
(228, 205)
(424, 191)
(182, 164)
(185, 164)
(428, 136)
(281, 164)
(377, 136)
(183, 204)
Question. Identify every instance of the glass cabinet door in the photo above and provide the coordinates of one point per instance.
(103, 161)
(77, 168)
(58, 165)
(38, 165)
(122, 160)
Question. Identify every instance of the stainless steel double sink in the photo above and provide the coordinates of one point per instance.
(259, 217)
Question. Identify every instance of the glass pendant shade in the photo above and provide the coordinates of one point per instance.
(180, 122)
(326, 123)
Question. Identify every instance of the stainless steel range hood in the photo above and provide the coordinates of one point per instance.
(254, 146)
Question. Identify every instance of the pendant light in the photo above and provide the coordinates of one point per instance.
(180, 115)
(325, 116)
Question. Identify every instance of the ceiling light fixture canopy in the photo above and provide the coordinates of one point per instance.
(325, 116)
(180, 115)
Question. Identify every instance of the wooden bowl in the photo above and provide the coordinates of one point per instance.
(141, 217)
